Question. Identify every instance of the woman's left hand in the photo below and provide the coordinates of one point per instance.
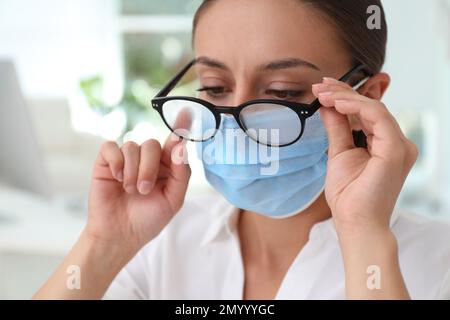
(362, 185)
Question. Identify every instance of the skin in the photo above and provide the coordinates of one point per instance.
(136, 190)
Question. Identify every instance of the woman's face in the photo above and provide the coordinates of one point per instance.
(265, 49)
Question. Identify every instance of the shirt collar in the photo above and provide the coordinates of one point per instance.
(225, 219)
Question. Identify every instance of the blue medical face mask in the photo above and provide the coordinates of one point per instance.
(275, 182)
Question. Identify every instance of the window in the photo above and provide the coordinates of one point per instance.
(167, 7)
(156, 42)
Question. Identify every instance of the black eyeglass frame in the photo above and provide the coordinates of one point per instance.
(303, 111)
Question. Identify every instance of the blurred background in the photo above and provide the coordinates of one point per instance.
(75, 73)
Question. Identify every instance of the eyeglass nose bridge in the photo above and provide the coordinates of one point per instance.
(227, 110)
(233, 111)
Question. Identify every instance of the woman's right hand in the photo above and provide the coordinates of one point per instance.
(135, 191)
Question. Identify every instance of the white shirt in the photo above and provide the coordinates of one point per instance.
(197, 256)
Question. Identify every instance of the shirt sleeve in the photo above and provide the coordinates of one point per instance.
(444, 291)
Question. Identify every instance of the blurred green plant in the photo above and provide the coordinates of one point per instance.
(146, 68)
(135, 102)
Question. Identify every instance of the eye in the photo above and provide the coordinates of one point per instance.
(285, 94)
(214, 92)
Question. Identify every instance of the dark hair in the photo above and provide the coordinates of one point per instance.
(365, 45)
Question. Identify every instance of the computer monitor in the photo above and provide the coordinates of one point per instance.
(21, 163)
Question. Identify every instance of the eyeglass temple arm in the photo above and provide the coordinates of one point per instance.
(359, 68)
(168, 87)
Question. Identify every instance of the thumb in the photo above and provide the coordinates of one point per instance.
(175, 158)
(339, 132)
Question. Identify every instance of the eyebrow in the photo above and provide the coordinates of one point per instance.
(211, 63)
(281, 64)
(287, 64)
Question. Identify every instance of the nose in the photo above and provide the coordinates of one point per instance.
(243, 92)
(240, 95)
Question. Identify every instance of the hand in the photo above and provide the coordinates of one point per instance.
(135, 191)
(362, 185)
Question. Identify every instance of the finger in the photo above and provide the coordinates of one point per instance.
(373, 115)
(332, 81)
(326, 87)
(148, 166)
(184, 120)
(327, 95)
(378, 122)
(342, 84)
(337, 125)
(331, 84)
(335, 93)
(110, 157)
(327, 99)
(131, 154)
(174, 156)
(339, 132)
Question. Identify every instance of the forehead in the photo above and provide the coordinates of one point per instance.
(248, 32)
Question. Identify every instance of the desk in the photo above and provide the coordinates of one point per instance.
(35, 235)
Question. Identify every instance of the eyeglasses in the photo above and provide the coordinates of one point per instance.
(199, 120)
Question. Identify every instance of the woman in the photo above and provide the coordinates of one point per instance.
(344, 240)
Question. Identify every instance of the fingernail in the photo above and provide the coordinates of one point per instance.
(329, 80)
(324, 94)
(317, 85)
(145, 187)
(340, 101)
(119, 176)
